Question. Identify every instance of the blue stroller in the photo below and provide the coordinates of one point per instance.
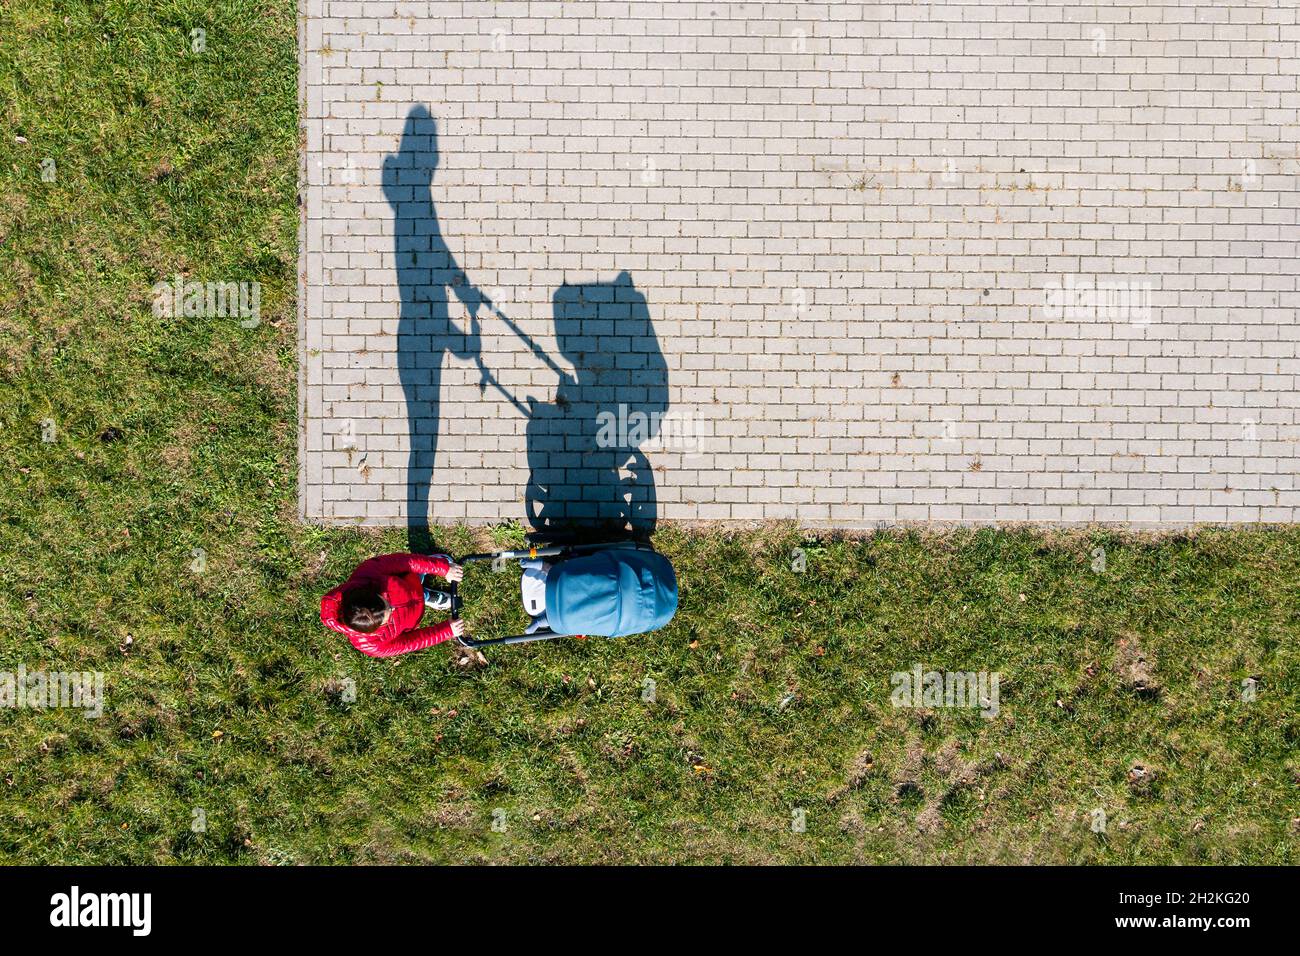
(590, 590)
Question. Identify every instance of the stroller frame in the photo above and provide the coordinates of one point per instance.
(561, 551)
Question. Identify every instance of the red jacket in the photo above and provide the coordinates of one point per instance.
(397, 578)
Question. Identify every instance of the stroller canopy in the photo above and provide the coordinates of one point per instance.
(611, 593)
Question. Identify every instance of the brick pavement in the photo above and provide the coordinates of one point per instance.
(845, 263)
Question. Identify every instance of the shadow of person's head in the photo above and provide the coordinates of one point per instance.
(413, 165)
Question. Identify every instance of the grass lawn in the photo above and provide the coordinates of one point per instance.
(1120, 689)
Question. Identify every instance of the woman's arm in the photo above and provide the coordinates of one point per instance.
(373, 645)
(329, 610)
(386, 565)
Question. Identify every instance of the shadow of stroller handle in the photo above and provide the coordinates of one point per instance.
(528, 340)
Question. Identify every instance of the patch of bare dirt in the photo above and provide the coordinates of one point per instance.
(858, 772)
(956, 773)
(1142, 778)
(15, 349)
(930, 820)
(162, 170)
(1136, 667)
(852, 823)
(909, 773)
(468, 658)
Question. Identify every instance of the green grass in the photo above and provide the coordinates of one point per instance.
(772, 686)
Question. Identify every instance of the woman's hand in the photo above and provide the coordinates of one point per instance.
(457, 627)
(455, 573)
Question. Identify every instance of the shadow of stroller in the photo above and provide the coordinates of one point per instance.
(587, 470)
(426, 271)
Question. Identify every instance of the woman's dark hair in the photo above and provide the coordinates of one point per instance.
(363, 609)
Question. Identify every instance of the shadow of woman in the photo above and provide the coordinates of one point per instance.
(426, 270)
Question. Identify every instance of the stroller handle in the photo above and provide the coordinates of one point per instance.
(518, 555)
(515, 639)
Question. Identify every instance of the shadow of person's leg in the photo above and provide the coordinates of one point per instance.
(420, 383)
(419, 476)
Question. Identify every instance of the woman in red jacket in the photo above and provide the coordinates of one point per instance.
(380, 606)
